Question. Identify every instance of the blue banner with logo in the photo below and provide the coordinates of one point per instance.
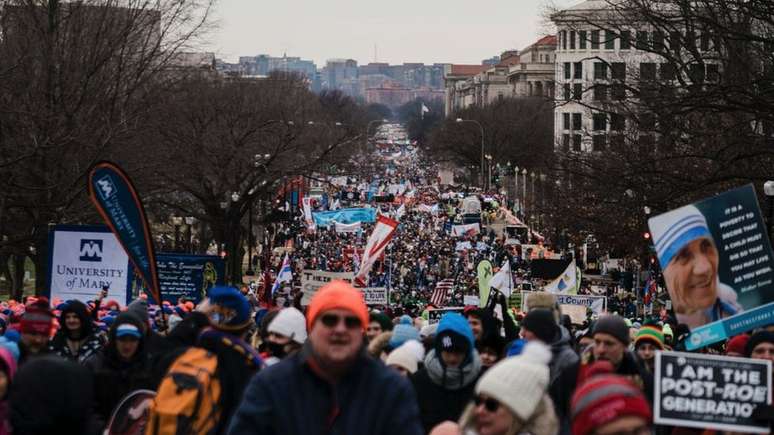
(345, 216)
(186, 276)
(117, 201)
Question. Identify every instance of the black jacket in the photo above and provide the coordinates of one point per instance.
(290, 398)
(438, 404)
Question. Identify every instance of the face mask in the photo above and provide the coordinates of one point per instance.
(277, 350)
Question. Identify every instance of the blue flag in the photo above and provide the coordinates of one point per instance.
(117, 201)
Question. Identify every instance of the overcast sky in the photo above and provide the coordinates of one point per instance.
(454, 31)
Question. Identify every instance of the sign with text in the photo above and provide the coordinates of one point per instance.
(710, 392)
(83, 259)
(375, 295)
(434, 316)
(189, 276)
(718, 265)
(598, 304)
(313, 280)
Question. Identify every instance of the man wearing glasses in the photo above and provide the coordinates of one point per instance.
(331, 386)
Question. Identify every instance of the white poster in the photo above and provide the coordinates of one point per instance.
(82, 260)
(313, 280)
(375, 295)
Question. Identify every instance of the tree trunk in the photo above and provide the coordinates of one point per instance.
(40, 260)
(17, 290)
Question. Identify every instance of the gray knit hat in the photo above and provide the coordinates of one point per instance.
(614, 325)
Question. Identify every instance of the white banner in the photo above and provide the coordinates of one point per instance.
(375, 295)
(465, 230)
(347, 228)
(598, 304)
(380, 237)
(82, 260)
(312, 280)
(307, 204)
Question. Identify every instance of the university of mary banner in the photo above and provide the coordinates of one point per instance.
(83, 259)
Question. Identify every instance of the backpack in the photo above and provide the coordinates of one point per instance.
(187, 399)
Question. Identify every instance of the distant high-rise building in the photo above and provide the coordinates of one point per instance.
(340, 74)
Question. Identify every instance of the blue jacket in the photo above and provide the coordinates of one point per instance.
(289, 398)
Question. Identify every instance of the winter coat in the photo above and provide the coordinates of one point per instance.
(291, 398)
(9, 368)
(563, 371)
(629, 368)
(88, 347)
(115, 378)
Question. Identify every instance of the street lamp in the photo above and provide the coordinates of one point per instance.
(516, 186)
(460, 120)
(488, 158)
(768, 189)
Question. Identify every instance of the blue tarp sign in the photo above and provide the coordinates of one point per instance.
(344, 216)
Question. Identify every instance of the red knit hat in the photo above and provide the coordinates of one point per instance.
(603, 399)
(337, 294)
(37, 318)
(737, 344)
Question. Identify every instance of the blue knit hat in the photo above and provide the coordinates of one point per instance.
(230, 309)
(402, 333)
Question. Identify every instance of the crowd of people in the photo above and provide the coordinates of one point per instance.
(249, 361)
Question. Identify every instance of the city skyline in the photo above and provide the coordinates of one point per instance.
(406, 32)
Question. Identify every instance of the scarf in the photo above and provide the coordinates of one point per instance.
(452, 378)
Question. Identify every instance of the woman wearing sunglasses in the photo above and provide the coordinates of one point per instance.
(511, 398)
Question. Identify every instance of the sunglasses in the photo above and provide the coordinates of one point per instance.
(490, 404)
(332, 320)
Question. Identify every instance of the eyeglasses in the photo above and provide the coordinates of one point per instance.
(332, 320)
(490, 404)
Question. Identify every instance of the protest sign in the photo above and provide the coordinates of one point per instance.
(83, 259)
(434, 316)
(375, 295)
(710, 392)
(485, 275)
(344, 216)
(598, 304)
(312, 280)
(189, 276)
(470, 300)
(718, 265)
(577, 313)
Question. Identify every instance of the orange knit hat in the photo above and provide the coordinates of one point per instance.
(337, 294)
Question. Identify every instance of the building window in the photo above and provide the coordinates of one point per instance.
(572, 40)
(697, 73)
(582, 38)
(567, 90)
(577, 91)
(609, 40)
(626, 39)
(647, 71)
(617, 142)
(599, 142)
(704, 41)
(578, 70)
(600, 122)
(619, 71)
(566, 143)
(595, 39)
(600, 71)
(667, 71)
(567, 70)
(675, 42)
(564, 39)
(618, 92)
(713, 72)
(566, 121)
(576, 142)
(617, 122)
(600, 92)
(576, 121)
(642, 40)
(658, 41)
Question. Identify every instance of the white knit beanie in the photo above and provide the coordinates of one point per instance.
(403, 356)
(519, 382)
(290, 323)
(416, 348)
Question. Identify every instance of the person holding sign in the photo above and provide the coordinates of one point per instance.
(689, 259)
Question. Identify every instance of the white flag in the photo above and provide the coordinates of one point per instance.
(503, 280)
(565, 283)
(400, 211)
(424, 110)
(380, 237)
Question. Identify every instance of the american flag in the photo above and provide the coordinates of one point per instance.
(441, 292)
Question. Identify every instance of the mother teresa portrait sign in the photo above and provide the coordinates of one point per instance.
(718, 265)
